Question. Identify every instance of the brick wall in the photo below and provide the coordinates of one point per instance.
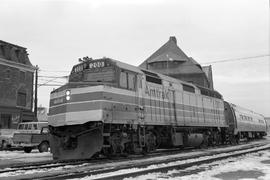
(12, 82)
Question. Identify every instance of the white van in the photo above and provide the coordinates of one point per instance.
(31, 127)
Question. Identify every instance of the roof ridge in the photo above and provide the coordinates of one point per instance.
(169, 46)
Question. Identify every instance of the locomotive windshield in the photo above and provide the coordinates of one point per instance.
(96, 71)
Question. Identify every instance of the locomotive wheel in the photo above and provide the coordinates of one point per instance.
(118, 143)
(151, 142)
(205, 142)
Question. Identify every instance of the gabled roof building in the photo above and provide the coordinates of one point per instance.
(16, 85)
(170, 60)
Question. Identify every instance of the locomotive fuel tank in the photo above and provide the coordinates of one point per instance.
(194, 139)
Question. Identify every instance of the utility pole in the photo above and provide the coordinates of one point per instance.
(36, 92)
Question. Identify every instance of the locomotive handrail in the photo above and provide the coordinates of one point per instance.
(79, 134)
(87, 131)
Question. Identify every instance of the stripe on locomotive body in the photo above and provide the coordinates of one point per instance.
(73, 118)
(93, 98)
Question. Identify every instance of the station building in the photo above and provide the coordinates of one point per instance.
(16, 85)
(170, 60)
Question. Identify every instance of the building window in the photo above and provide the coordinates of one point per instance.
(22, 76)
(21, 99)
(2, 48)
(17, 52)
(8, 74)
(5, 121)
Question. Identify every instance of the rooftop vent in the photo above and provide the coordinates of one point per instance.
(173, 38)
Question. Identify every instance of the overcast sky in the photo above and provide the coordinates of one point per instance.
(57, 32)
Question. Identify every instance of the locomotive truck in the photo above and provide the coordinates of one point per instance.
(113, 108)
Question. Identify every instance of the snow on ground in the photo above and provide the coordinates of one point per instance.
(212, 171)
(19, 174)
(155, 166)
(21, 154)
(255, 166)
(11, 157)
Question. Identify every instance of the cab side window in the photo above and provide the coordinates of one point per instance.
(127, 80)
(123, 80)
(131, 81)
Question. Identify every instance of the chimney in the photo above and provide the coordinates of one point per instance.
(173, 38)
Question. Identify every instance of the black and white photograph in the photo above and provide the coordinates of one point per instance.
(135, 89)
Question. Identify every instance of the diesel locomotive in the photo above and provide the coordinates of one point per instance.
(113, 108)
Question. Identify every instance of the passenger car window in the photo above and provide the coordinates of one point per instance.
(35, 126)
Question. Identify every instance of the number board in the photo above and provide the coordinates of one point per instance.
(90, 65)
(97, 64)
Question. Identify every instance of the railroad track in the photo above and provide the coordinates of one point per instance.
(120, 168)
(56, 163)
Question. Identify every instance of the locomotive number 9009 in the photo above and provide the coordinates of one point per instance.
(98, 64)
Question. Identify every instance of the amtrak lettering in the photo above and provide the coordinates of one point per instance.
(156, 92)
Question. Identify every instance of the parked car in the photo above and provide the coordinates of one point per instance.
(6, 136)
(32, 135)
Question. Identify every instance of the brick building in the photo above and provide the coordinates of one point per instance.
(16, 85)
(170, 60)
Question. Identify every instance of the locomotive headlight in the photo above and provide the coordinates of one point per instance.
(68, 95)
(67, 92)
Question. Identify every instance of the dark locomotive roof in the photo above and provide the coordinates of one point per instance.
(157, 78)
(209, 92)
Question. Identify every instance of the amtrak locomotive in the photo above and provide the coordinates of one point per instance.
(109, 107)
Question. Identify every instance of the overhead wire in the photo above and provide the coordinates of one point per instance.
(51, 78)
(236, 59)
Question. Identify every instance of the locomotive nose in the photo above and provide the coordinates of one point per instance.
(81, 147)
(69, 142)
